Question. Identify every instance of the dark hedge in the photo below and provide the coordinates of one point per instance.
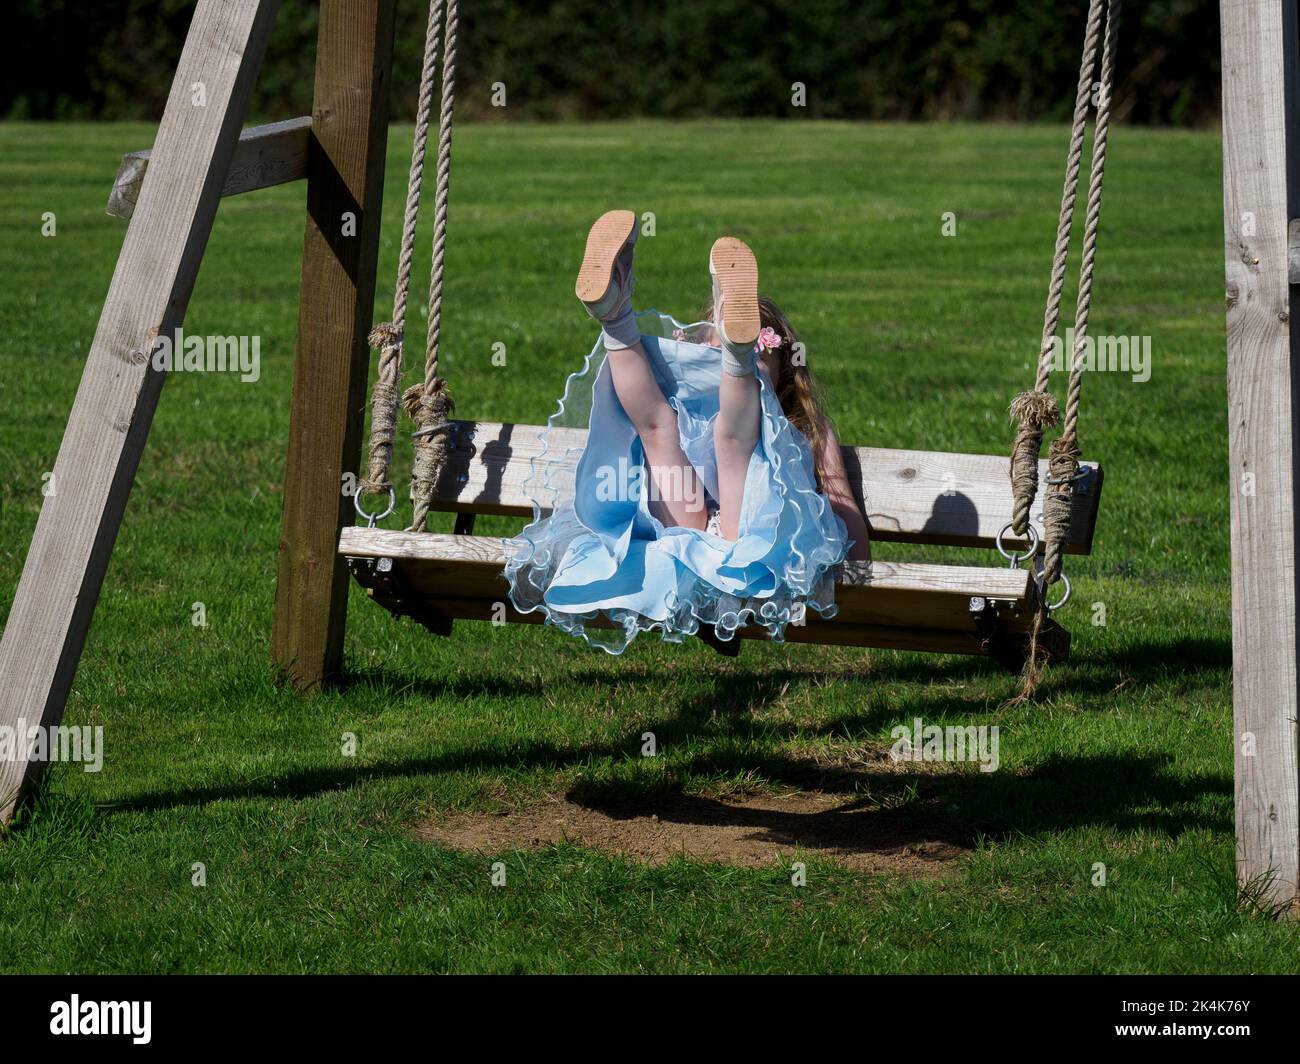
(925, 59)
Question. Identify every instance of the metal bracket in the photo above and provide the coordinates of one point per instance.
(1009, 649)
(984, 612)
(386, 585)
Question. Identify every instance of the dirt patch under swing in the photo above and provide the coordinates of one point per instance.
(756, 831)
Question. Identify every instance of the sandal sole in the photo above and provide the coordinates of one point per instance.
(736, 269)
(610, 232)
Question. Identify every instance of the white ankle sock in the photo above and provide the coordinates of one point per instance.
(737, 365)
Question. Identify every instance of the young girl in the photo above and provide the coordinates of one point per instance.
(711, 490)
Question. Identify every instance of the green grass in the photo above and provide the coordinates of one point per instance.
(919, 341)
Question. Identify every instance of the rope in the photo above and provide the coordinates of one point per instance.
(428, 403)
(1063, 455)
(388, 336)
(1036, 409)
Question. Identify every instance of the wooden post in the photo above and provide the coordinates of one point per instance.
(119, 388)
(1261, 182)
(345, 179)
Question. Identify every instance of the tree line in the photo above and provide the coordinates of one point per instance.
(592, 59)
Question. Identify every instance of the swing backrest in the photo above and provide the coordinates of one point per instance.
(908, 496)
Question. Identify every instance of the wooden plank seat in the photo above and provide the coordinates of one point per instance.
(908, 496)
(437, 578)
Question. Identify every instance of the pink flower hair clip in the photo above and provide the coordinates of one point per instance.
(768, 340)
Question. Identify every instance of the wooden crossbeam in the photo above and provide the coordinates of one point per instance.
(268, 155)
(909, 496)
(119, 388)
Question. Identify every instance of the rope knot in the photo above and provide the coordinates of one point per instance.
(385, 334)
(428, 407)
(1035, 409)
(1063, 456)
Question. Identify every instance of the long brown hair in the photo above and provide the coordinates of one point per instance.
(795, 388)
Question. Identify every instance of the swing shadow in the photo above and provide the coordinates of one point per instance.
(884, 804)
(886, 807)
(890, 805)
(877, 803)
(1147, 662)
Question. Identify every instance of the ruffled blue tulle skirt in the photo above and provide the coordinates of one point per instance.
(601, 555)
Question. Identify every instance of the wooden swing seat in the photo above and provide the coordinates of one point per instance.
(908, 496)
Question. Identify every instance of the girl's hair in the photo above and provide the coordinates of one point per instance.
(795, 388)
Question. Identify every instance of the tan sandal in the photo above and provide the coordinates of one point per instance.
(609, 244)
(735, 293)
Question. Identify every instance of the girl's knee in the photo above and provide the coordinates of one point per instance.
(734, 439)
(658, 431)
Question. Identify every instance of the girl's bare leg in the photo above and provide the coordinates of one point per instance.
(676, 493)
(735, 435)
(605, 284)
(736, 429)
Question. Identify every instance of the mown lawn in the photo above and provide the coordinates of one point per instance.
(312, 858)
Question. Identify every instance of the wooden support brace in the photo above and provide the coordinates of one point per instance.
(119, 389)
(265, 156)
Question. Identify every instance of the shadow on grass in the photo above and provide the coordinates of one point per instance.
(1089, 673)
(895, 803)
(918, 802)
(855, 827)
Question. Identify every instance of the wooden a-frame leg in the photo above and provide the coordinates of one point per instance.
(119, 389)
(1261, 201)
(345, 179)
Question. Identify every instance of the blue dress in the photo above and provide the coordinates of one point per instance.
(601, 554)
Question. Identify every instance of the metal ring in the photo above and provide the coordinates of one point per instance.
(1082, 474)
(1064, 598)
(372, 518)
(1016, 559)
